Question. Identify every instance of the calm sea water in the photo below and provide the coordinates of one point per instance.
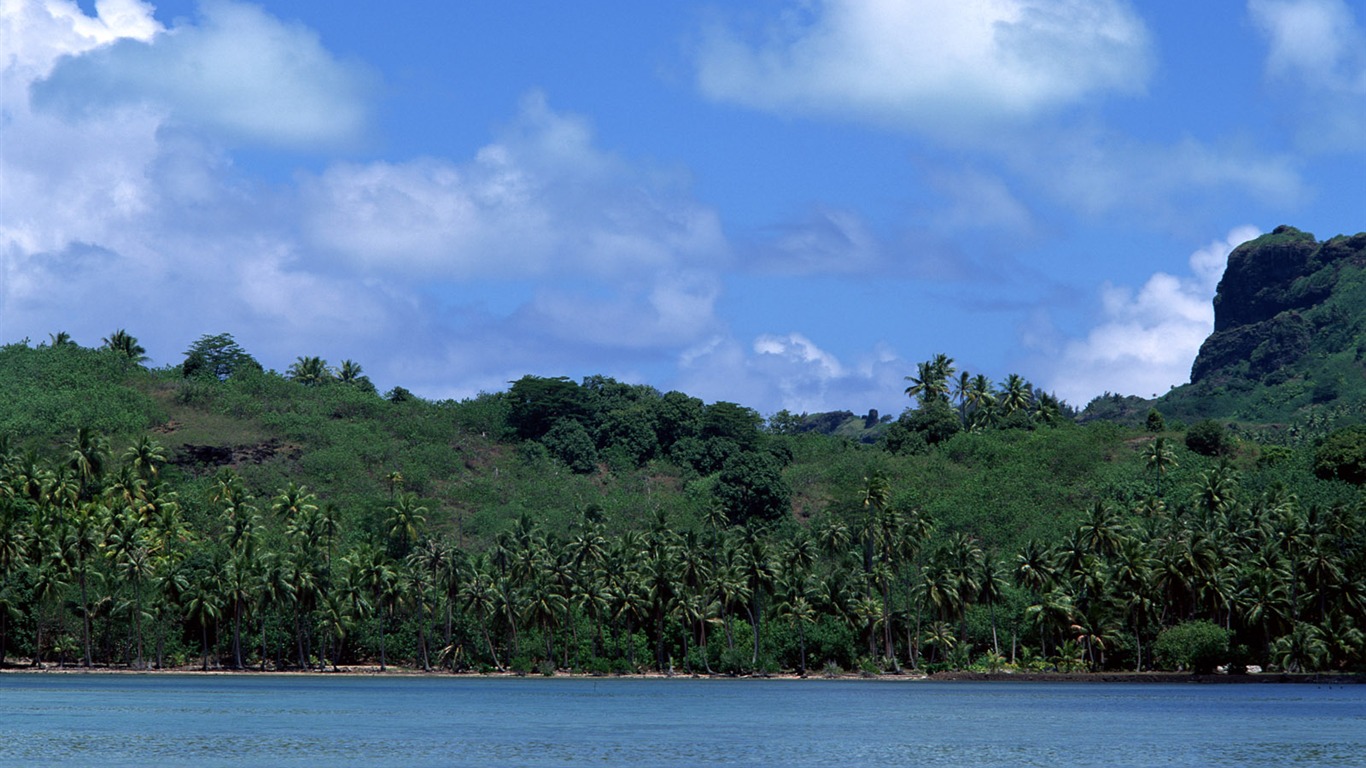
(156, 720)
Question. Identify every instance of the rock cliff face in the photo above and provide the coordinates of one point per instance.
(1262, 311)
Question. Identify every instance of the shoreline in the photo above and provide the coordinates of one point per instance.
(1144, 678)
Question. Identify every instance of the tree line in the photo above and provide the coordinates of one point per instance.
(103, 562)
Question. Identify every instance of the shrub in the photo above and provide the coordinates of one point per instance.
(1209, 438)
(1343, 456)
(1197, 646)
(1155, 422)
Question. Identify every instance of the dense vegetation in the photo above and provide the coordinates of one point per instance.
(221, 512)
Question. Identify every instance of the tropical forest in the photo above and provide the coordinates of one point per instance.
(214, 514)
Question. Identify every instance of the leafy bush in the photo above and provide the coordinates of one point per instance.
(1155, 422)
(1197, 646)
(1209, 438)
(1343, 456)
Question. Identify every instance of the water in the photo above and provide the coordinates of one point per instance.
(155, 720)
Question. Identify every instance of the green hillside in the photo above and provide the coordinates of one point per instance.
(246, 517)
(1288, 352)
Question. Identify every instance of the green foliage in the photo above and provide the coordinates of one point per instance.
(690, 523)
(935, 421)
(1209, 438)
(53, 391)
(1343, 456)
(1155, 422)
(217, 356)
(1195, 646)
(569, 442)
(536, 404)
(751, 487)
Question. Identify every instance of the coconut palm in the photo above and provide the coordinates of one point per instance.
(1160, 458)
(350, 372)
(310, 371)
(1016, 394)
(479, 598)
(83, 536)
(204, 606)
(88, 457)
(930, 384)
(991, 590)
(121, 342)
(406, 522)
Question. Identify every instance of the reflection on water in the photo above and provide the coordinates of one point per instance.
(151, 720)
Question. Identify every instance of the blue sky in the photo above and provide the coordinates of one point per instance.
(782, 204)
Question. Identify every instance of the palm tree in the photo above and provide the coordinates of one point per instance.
(1160, 458)
(1053, 612)
(88, 456)
(294, 502)
(240, 582)
(798, 610)
(480, 599)
(125, 544)
(203, 605)
(380, 579)
(48, 588)
(759, 573)
(981, 395)
(939, 636)
(82, 541)
(1034, 568)
(145, 457)
(1132, 579)
(1102, 532)
(991, 590)
(1304, 648)
(120, 341)
(310, 371)
(930, 384)
(406, 522)
(961, 391)
(1016, 394)
(416, 584)
(349, 372)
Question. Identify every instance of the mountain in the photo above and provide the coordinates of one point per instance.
(1289, 340)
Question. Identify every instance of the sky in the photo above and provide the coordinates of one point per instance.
(780, 204)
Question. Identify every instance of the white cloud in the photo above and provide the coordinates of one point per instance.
(393, 264)
(1098, 172)
(238, 74)
(1318, 49)
(1145, 342)
(37, 34)
(789, 371)
(542, 200)
(676, 309)
(941, 66)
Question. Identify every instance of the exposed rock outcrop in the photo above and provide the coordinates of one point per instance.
(1259, 322)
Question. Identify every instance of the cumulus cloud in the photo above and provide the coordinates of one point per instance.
(940, 66)
(790, 371)
(541, 200)
(1145, 341)
(541, 252)
(236, 73)
(1318, 48)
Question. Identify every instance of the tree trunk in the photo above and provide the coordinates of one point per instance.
(85, 620)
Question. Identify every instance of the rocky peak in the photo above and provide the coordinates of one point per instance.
(1257, 282)
(1259, 310)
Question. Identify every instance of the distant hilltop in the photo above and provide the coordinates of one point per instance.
(1275, 305)
(1289, 342)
